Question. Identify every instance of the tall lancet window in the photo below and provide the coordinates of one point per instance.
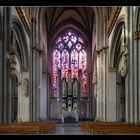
(69, 52)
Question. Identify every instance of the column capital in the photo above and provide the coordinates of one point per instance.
(34, 48)
(40, 51)
(136, 35)
(105, 49)
(23, 69)
(33, 19)
(111, 69)
(98, 51)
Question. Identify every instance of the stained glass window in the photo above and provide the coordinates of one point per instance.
(69, 53)
(65, 63)
(56, 66)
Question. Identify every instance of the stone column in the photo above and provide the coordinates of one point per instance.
(112, 95)
(24, 96)
(135, 71)
(101, 75)
(107, 87)
(136, 39)
(90, 92)
(48, 95)
(1, 73)
(35, 74)
(104, 85)
(38, 65)
(94, 93)
(138, 45)
(130, 104)
(98, 85)
(32, 50)
(33, 105)
(5, 67)
(127, 83)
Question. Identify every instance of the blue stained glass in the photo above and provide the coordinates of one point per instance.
(69, 33)
(60, 46)
(78, 46)
(73, 39)
(69, 44)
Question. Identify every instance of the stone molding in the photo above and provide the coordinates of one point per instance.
(113, 18)
(24, 19)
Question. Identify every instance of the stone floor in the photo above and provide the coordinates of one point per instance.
(68, 129)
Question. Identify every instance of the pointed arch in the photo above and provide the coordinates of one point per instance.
(22, 42)
(137, 13)
(114, 50)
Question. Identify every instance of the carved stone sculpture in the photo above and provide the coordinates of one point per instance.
(122, 68)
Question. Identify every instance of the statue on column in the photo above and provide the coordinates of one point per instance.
(122, 67)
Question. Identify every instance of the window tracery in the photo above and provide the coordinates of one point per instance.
(69, 53)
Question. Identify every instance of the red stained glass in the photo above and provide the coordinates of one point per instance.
(83, 60)
(65, 63)
(56, 66)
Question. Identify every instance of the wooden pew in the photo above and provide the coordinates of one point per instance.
(109, 128)
(44, 126)
(14, 129)
(28, 128)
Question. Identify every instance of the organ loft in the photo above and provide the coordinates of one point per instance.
(70, 93)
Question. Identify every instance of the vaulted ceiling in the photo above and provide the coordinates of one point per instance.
(80, 17)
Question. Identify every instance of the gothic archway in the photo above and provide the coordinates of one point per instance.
(48, 22)
(19, 67)
(118, 62)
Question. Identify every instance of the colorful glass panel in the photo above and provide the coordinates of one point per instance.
(83, 60)
(83, 67)
(56, 66)
(65, 63)
(69, 53)
(78, 46)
